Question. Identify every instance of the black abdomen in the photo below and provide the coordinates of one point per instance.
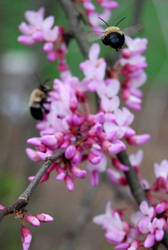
(36, 112)
(115, 40)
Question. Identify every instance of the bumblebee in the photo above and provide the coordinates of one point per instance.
(113, 36)
(37, 100)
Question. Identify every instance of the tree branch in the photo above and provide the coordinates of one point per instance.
(132, 179)
(75, 26)
(23, 199)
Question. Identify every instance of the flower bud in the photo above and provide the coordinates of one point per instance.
(26, 237)
(32, 220)
(44, 217)
(69, 183)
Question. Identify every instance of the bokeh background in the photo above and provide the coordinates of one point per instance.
(17, 67)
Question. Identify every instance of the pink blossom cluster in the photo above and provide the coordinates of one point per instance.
(33, 220)
(82, 135)
(93, 15)
(40, 29)
(132, 68)
(148, 225)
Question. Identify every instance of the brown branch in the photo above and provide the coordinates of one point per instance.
(132, 179)
(75, 26)
(23, 199)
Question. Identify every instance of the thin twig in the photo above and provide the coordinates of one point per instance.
(23, 199)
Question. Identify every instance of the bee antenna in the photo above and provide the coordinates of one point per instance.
(104, 22)
(120, 21)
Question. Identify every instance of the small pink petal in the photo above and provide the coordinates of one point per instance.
(149, 241)
(1, 207)
(159, 234)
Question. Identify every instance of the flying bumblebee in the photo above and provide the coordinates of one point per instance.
(37, 100)
(113, 36)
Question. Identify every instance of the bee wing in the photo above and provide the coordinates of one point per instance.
(132, 30)
(94, 36)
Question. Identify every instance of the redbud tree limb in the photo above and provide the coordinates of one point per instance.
(23, 199)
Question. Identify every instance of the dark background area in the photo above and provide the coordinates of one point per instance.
(18, 64)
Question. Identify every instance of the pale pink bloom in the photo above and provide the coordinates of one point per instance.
(161, 170)
(136, 158)
(137, 81)
(38, 28)
(146, 210)
(110, 88)
(135, 46)
(116, 229)
(156, 231)
(94, 68)
(32, 220)
(110, 105)
(26, 237)
(124, 118)
(44, 217)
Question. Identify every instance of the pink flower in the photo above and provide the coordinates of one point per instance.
(136, 159)
(93, 69)
(26, 237)
(161, 170)
(135, 46)
(116, 229)
(38, 28)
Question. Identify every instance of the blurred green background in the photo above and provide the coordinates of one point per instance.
(16, 124)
